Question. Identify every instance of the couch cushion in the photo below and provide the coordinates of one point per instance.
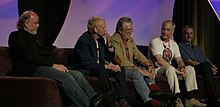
(29, 92)
(61, 55)
(5, 61)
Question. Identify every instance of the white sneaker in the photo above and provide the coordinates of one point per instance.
(194, 103)
(179, 103)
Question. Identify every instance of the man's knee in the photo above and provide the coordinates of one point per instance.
(206, 64)
(190, 70)
(170, 70)
(136, 74)
(76, 74)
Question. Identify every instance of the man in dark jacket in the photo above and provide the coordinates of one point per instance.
(30, 58)
(94, 56)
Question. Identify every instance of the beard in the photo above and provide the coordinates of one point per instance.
(34, 32)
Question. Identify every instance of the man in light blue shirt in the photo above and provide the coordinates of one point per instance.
(193, 55)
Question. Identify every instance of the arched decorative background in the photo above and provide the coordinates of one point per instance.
(54, 14)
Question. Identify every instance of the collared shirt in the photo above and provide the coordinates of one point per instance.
(192, 52)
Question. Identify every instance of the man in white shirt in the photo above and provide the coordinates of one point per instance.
(162, 50)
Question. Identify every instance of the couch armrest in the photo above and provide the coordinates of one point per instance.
(29, 92)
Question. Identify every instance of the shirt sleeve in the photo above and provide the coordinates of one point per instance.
(155, 47)
(183, 53)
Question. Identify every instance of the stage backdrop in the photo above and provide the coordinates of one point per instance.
(8, 19)
(147, 17)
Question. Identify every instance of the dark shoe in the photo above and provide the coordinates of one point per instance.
(104, 100)
(122, 103)
(217, 104)
(160, 95)
(213, 103)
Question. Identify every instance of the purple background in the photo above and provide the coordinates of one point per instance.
(8, 19)
(147, 17)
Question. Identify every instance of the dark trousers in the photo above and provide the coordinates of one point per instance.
(204, 69)
(103, 76)
(121, 83)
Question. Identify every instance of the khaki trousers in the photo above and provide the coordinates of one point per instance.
(170, 73)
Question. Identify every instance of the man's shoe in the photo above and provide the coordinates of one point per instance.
(194, 102)
(217, 104)
(104, 100)
(178, 103)
(160, 95)
(96, 99)
(213, 102)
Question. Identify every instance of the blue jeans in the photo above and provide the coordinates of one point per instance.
(140, 83)
(73, 83)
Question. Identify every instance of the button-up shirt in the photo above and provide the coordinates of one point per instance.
(192, 52)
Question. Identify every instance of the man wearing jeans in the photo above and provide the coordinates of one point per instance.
(128, 57)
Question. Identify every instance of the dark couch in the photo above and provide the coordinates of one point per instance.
(25, 91)
(62, 55)
(44, 92)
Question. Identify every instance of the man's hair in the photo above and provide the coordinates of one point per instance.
(23, 18)
(120, 23)
(169, 21)
(184, 30)
(93, 21)
(187, 27)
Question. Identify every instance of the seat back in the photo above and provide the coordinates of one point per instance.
(5, 61)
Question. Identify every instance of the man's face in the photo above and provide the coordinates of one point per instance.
(127, 30)
(189, 34)
(101, 28)
(32, 24)
(167, 31)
